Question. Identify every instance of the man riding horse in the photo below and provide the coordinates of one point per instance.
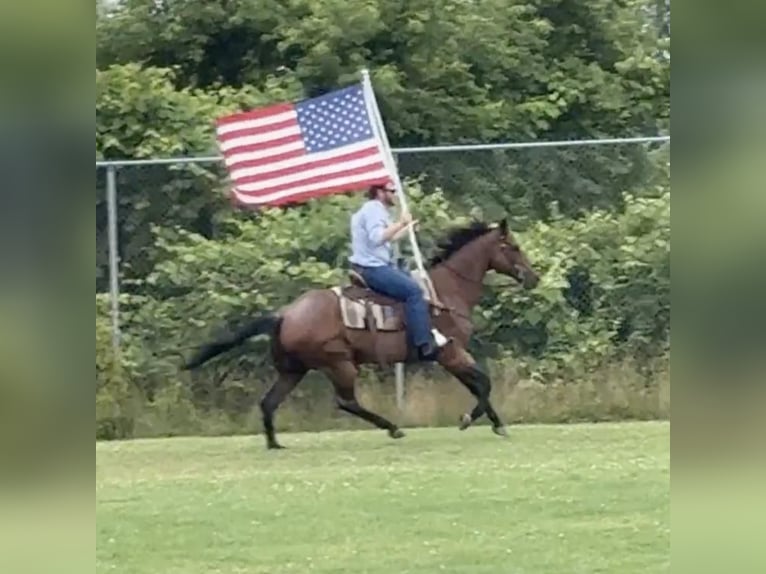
(310, 333)
(372, 236)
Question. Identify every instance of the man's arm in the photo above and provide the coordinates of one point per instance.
(399, 234)
(376, 224)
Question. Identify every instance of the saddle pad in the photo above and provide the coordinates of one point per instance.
(354, 313)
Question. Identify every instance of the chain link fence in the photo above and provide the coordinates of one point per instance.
(524, 181)
(521, 180)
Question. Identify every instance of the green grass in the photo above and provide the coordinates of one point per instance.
(554, 499)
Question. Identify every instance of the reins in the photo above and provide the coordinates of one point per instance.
(451, 310)
(456, 272)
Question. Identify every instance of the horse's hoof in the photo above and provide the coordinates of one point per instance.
(465, 421)
(396, 433)
(500, 431)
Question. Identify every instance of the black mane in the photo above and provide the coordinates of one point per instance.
(457, 239)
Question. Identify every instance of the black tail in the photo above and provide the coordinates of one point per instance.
(260, 326)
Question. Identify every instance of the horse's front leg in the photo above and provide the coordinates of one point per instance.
(480, 386)
(459, 362)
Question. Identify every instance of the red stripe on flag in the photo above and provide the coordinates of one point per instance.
(263, 145)
(259, 130)
(316, 179)
(264, 160)
(255, 114)
(311, 164)
(250, 199)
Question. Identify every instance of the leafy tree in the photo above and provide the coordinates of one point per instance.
(447, 71)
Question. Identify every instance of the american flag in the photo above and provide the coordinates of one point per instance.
(292, 152)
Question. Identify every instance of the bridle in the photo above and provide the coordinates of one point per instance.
(454, 271)
(473, 281)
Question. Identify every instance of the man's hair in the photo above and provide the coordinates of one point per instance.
(372, 191)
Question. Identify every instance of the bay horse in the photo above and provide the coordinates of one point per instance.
(309, 333)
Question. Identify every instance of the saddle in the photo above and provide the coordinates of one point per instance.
(365, 309)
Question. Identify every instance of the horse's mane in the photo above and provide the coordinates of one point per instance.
(457, 239)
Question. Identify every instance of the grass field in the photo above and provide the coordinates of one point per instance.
(551, 499)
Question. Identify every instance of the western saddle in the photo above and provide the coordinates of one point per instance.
(363, 308)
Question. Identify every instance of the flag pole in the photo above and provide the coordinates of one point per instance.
(388, 158)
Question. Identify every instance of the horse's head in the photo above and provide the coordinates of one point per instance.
(507, 257)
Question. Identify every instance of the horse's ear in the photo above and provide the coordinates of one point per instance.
(503, 226)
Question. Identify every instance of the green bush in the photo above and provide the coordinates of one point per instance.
(604, 292)
(115, 401)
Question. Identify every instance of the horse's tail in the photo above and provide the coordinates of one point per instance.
(266, 324)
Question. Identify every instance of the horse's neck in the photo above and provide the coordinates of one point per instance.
(462, 276)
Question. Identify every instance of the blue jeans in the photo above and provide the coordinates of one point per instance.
(397, 284)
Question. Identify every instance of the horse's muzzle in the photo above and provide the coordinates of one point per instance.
(528, 278)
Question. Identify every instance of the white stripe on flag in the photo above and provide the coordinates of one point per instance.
(305, 159)
(328, 183)
(309, 173)
(237, 158)
(260, 138)
(256, 122)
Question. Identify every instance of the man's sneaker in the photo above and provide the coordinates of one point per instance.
(439, 339)
(430, 350)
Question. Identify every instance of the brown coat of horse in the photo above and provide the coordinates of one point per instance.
(309, 332)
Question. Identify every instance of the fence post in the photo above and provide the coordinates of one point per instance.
(114, 286)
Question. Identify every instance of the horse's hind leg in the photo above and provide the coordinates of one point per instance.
(277, 393)
(343, 376)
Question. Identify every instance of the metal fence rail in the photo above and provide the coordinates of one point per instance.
(405, 150)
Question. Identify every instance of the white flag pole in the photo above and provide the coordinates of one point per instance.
(388, 157)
